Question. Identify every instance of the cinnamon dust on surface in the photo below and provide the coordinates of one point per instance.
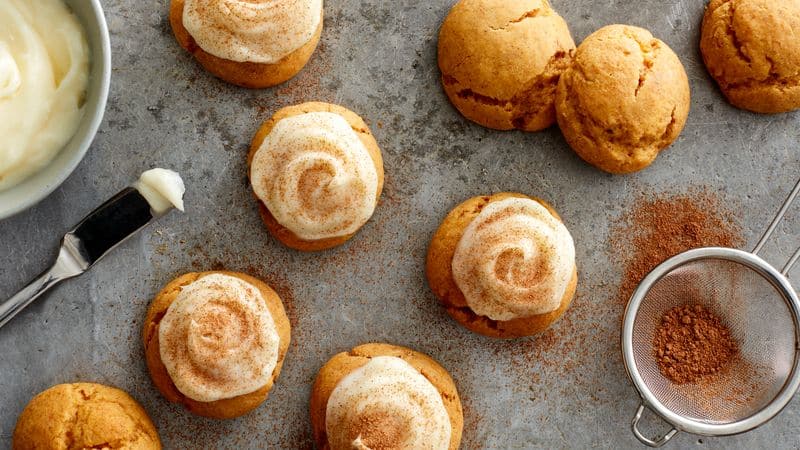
(659, 227)
(692, 344)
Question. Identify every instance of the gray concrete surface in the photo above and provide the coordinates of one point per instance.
(566, 389)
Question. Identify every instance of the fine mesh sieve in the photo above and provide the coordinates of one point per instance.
(762, 311)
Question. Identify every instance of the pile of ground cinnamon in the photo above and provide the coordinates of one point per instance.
(661, 226)
(692, 344)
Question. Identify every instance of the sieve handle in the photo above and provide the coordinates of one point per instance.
(775, 222)
(645, 440)
(792, 261)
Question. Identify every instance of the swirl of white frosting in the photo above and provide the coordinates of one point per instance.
(514, 260)
(258, 31)
(315, 176)
(386, 403)
(10, 78)
(218, 339)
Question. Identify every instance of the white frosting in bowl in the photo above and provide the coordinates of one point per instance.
(218, 339)
(315, 176)
(258, 31)
(387, 403)
(44, 72)
(514, 260)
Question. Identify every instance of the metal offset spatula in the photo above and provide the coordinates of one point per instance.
(100, 232)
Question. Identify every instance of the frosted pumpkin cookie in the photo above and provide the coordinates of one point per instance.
(751, 49)
(623, 100)
(84, 415)
(503, 265)
(215, 342)
(254, 44)
(382, 396)
(317, 173)
(501, 61)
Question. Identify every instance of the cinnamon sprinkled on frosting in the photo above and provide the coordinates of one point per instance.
(377, 431)
(386, 404)
(259, 31)
(315, 176)
(218, 339)
(514, 260)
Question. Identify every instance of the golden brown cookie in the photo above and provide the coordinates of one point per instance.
(751, 49)
(624, 99)
(439, 272)
(501, 61)
(343, 364)
(83, 416)
(244, 74)
(284, 235)
(220, 409)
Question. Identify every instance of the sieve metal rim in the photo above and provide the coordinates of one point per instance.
(648, 399)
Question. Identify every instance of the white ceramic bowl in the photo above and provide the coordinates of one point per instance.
(41, 184)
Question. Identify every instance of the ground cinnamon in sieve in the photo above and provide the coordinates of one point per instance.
(692, 344)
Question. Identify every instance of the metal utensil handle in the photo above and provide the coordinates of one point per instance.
(775, 222)
(642, 438)
(65, 267)
(26, 296)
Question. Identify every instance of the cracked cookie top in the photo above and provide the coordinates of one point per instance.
(623, 100)
(84, 415)
(750, 48)
(501, 60)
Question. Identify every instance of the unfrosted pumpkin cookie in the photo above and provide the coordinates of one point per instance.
(215, 342)
(84, 415)
(623, 100)
(751, 49)
(383, 396)
(501, 61)
(503, 265)
(253, 44)
(317, 174)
